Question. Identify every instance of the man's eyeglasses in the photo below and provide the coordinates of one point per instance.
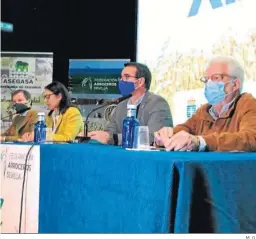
(47, 97)
(127, 77)
(215, 77)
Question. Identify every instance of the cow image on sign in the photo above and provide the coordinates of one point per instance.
(21, 66)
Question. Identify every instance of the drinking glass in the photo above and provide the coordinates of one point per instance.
(141, 137)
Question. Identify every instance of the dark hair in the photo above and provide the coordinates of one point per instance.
(25, 93)
(58, 88)
(141, 71)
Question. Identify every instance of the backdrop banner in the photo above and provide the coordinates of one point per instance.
(187, 35)
(30, 71)
(12, 165)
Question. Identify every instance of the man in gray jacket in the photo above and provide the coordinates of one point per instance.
(152, 110)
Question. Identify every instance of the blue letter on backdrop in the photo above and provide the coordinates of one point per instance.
(214, 3)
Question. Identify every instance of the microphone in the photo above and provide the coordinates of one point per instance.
(20, 108)
(85, 138)
(119, 100)
(12, 114)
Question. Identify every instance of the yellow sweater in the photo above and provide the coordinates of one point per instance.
(68, 126)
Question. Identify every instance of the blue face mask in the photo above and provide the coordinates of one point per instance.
(126, 87)
(214, 92)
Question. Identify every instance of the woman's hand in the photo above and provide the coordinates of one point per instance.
(27, 137)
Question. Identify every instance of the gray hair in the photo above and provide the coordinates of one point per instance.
(235, 68)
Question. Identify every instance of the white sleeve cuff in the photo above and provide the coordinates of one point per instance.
(202, 145)
(119, 139)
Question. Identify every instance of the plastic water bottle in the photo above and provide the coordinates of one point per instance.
(40, 129)
(129, 124)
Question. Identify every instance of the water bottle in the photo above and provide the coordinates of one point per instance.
(129, 124)
(40, 129)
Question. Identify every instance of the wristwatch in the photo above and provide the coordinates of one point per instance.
(198, 143)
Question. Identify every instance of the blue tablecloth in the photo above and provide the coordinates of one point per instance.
(91, 188)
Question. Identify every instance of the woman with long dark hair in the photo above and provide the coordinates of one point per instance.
(65, 119)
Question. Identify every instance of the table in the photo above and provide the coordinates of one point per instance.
(92, 188)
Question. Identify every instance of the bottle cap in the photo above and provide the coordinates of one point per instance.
(132, 107)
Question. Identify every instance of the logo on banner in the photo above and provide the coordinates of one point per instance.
(3, 154)
(214, 4)
(1, 204)
(87, 81)
(18, 73)
(12, 164)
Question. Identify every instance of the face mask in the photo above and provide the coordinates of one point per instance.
(214, 92)
(20, 108)
(126, 87)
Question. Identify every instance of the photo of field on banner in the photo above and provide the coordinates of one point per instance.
(187, 35)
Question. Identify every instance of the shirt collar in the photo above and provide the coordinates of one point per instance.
(224, 109)
(55, 113)
(24, 113)
(137, 102)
